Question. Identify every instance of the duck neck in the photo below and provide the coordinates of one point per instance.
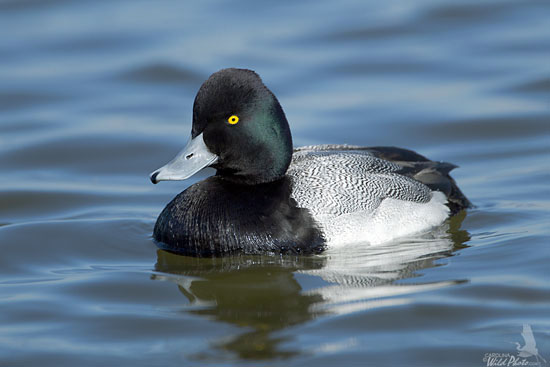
(268, 172)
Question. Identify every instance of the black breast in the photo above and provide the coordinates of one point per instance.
(215, 217)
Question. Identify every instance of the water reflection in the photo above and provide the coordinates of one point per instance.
(266, 294)
(259, 293)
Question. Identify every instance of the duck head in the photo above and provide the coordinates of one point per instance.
(239, 128)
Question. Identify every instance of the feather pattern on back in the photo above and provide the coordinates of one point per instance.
(346, 181)
(372, 194)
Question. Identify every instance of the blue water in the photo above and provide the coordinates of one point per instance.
(95, 95)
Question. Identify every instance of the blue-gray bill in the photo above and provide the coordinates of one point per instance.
(194, 157)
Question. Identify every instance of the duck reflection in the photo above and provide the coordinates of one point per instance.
(260, 293)
(266, 294)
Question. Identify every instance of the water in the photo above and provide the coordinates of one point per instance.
(96, 95)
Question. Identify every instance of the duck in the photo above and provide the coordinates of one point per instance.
(268, 197)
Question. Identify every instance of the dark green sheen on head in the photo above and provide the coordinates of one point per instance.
(254, 148)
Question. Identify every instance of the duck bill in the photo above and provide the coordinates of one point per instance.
(194, 157)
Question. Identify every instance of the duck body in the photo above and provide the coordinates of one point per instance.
(268, 198)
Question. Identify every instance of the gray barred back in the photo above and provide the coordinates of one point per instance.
(335, 180)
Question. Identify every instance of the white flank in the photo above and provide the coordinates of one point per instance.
(392, 219)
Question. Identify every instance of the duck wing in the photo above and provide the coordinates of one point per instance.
(397, 161)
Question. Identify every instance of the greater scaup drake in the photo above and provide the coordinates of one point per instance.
(267, 197)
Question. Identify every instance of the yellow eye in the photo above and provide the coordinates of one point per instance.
(233, 119)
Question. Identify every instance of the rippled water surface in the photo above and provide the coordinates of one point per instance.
(94, 95)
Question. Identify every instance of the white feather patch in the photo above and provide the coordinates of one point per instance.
(392, 219)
